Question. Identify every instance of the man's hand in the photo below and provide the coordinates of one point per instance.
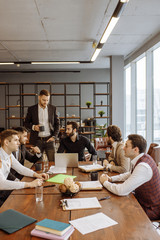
(35, 183)
(52, 139)
(42, 176)
(104, 177)
(36, 128)
(36, 150)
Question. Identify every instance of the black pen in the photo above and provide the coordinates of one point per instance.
(104, 198)
(53, 185)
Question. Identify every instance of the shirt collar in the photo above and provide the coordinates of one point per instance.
(114, 145)
(6, 156)
(42, 108)
(134, 161)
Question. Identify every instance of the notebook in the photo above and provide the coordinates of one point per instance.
(52, 226)
(11, 220)
(47, 235)
(66, 159)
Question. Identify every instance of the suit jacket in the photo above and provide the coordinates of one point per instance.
(25, 154)
(122, 164)
(32, 119)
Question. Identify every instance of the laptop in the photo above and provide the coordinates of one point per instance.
(66, 159)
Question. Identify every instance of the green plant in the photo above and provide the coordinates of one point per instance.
(101, 113)
(100, 130)
(88, 103)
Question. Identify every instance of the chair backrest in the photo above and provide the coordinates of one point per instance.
(100, 142)
(154, 152)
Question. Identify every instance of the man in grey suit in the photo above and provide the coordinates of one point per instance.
(43, 122)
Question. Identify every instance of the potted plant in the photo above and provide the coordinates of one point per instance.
(88, 103)
(101, 113)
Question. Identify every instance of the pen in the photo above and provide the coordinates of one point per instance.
(49, 186)
(104, 198)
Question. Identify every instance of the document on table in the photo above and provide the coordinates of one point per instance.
(92, 223)
(90, 168)
(54, 169)
(91, 185)
(80, 203)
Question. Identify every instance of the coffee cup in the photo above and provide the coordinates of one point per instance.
(94, 176)
(38, 166)
(41, 128)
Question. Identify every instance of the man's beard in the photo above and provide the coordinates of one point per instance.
(70, 134)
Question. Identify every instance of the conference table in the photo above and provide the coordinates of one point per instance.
(133, 223)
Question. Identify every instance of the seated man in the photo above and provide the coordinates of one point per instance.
(10, 143)
(117, 160)
(75, 143)
(22, 153)
(145, 178)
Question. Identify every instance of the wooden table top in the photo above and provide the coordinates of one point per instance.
(133, 223)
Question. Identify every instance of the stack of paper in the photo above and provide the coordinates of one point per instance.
(50, 229)
(91, 168)
(80, 203)
(91, 185)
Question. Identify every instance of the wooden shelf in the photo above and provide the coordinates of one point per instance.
(102, 117)
(14, 106)
(86, 108)
(3, 108)
(87, 133)
(57, 94)
(102, 105)
(16, 118)
(29, 94)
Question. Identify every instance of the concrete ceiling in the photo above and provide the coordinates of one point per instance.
(64, 30)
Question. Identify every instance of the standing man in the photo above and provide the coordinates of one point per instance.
(43, 122)
(144, 180)
(10, 143)
(74, 143)
(22, 153)
(117, 160)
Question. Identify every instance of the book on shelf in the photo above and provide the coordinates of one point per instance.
(47, 235)
(51, 226)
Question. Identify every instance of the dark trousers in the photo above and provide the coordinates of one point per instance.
(48, 147)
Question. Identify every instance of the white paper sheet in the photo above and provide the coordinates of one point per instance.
(92, 223)
(54, 169)
(89, 185)
(81, 203)
(91, 167)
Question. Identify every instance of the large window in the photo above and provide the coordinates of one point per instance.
(156, 99)
(142, 84)
(128, 100)
(141, 96)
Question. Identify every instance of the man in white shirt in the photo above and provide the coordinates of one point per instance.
(43, 121)
(10, 143)
(144, 180)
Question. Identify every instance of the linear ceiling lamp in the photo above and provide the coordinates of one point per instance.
(55, 62)
(6, 63)
(112, 22)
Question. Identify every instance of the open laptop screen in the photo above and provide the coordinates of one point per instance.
(66, 159)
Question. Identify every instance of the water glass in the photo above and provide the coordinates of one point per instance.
(94, 157)
(39, 193)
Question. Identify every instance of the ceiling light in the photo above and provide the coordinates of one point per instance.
(55, 62)
(6, 63)
(109, 29)
(95, 54)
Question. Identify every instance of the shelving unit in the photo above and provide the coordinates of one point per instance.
(69, 98)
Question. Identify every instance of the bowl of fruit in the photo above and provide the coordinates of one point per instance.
(69, 188)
